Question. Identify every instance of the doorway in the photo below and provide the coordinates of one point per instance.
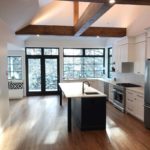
(42, 71)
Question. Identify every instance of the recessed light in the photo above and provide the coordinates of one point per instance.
(112, 1)
(97, 36)
(38, 35)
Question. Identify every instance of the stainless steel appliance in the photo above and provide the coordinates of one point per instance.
(147, 95)
(120, 95)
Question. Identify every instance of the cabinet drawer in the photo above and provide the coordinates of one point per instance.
(130, 94)
(140, 96)
(130, 110)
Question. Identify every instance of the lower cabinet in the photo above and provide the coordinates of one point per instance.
(89, 113)
(135, 104)
(111, 95)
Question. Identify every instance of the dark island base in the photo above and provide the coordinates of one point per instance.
(89, 113)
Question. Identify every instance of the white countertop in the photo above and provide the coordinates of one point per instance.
(137, 89)
(74, 89)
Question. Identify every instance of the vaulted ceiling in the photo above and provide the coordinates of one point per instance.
(21, 13)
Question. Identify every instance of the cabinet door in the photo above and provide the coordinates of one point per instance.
(130, 102)
(111, 93)
(148, 48)
(140, 58)
(124, 52)
(118, 60)
(140, 106)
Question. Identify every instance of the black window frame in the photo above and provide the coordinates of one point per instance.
(42, 57)
(109, 56)
(84, 55)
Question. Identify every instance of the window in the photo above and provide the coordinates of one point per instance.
(110, 62)
(83, 63)
(14, 67)
(33, 51)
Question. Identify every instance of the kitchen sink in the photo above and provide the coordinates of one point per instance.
(91, 93)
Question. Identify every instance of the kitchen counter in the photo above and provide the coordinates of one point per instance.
(74, 89)
(88, 110)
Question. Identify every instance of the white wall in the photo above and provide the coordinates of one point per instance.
(6, 37)
(4, 102)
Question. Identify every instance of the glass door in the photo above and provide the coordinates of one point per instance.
(51, 75)
(42, 71)
(34, 75)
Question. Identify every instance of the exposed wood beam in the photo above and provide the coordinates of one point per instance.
(69, 31)
(90, 15)
(105, 32)
(130, 2)
(46, 30)
(76, 12)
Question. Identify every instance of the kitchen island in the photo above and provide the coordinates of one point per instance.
(88, 108)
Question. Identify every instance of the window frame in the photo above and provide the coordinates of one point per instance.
(42, 57)
(84, 56)
(109, 56)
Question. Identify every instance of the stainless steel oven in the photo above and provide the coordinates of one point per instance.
(119, 95)
(119, 99)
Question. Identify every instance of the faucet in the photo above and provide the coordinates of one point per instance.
(83, 85)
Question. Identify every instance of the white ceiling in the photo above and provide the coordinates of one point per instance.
(50, 12)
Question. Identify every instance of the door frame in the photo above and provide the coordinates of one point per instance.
(42, 57)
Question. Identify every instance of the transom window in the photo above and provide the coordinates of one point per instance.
(14, 68)
(42, 51)
(83, 63)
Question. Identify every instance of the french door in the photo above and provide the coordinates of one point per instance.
(42, 75)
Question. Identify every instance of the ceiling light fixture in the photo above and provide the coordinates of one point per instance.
(38, 35)
(112, 1)
(97, 37)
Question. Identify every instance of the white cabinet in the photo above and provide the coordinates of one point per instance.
(123, 51)
(135, 104)
(127, 52)
(139, 64)
(116, 58)
(148, 45)
(110, 97)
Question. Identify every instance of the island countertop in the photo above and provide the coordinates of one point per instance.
(74, 90)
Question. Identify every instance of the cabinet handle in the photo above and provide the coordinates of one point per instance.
(129, 92)
(140, 96)
(146, 106)
(130, 100)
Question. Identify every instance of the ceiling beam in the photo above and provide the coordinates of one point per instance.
(105, 32)
(130, 2)
(76, 12)
(46, 30)
(69, 31)
(90, 15)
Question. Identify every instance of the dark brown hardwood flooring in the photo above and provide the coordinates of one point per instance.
(40, 123)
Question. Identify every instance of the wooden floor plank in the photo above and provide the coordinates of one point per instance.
(40, 123)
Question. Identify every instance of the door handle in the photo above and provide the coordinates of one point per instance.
(146, 106)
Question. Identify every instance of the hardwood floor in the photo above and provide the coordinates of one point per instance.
(39, 123)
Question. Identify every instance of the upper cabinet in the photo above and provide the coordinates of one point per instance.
(130, 53)
(123, 52)
(140, 50)
(148, 44)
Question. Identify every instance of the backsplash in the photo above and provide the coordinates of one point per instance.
(129, 77)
